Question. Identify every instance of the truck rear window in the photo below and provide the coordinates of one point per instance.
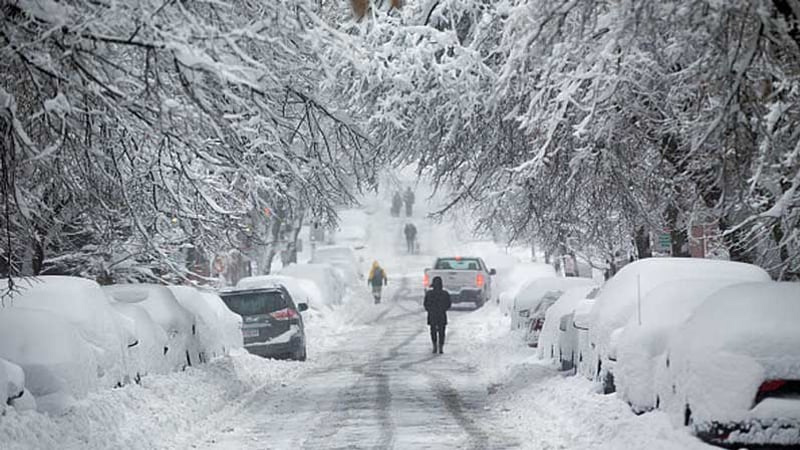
(457, 264)
(254, 303)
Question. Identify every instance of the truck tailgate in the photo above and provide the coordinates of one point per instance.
(455, 280)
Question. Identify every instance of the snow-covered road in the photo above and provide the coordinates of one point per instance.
(370, 382)
(382, 388)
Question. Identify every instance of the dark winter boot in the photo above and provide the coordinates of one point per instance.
(441, 349)
(434, 347)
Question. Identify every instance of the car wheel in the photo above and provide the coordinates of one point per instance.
(300, 355)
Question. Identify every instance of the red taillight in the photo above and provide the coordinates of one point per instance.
(771, 386)
(425, 280)
(285, 314)
(479, 280)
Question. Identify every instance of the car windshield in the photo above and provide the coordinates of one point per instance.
(457, 264)
(255, 303)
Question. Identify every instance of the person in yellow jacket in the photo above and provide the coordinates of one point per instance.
(377, 279)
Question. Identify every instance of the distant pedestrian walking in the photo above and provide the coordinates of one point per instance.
(411, 237)
(437, 302)
(377, 279)
(408, 198)
(397, 204)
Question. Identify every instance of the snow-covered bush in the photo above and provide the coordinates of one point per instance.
(566, 303)
(617, 300)
(59, 365)
(83, 304)
(182, 348)
(642, 343)
(734, 366)
(324, 276)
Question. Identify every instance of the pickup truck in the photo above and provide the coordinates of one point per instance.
(466, 279)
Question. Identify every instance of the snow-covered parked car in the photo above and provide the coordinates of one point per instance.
(301, 289)
(573, 342)
(60, 366)
(548, 347)
(643, 341)
(531, 294)
(82, 303)
(734, 367)
(272, 325)
(177, 322)
(511, 281)
(148, 356)
(618, 299)
(229, 322)
(538, 315)
(327, 279)
(210, 325)
(343, 259)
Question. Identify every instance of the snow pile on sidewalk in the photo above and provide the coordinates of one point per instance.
(163, 409)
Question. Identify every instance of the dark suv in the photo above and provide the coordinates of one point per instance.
(271, 322)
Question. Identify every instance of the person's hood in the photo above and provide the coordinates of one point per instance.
(437, 283)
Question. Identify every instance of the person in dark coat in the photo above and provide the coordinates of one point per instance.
(437, 302)
(411, 237)
(408, 198)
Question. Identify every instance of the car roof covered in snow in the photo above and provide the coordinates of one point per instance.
(756, 319)
(665, 308)
(617, 300)
(531, 293)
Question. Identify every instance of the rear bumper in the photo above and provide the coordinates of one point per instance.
(750, 433)
(467, 296)
(278, 350)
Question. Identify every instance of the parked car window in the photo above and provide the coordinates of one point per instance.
(457, 264)
(253, 303)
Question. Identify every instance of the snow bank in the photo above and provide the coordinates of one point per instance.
(59, 365)
(174, 319)
(617, 300)
(548, 339)
(640, 345)
(165, 411)
(740, 337)
(326, 278)
(83, 304)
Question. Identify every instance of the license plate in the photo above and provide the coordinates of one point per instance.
(253, 332)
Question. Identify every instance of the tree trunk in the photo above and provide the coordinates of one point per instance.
(678, 235)
(642, 240)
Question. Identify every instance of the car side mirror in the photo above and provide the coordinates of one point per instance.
(492, 272)
(302, 307)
